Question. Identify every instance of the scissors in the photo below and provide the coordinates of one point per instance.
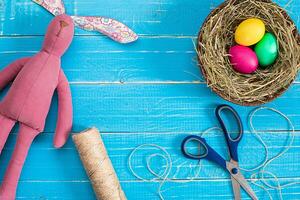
(237, 179)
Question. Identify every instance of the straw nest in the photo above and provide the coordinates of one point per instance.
(217, 36)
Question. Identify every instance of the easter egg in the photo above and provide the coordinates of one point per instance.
(243, 59)
(250, 32)
(267, 50)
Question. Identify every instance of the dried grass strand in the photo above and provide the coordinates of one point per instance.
(217, 36)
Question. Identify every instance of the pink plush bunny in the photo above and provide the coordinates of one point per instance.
(29, 98)
(35, 80)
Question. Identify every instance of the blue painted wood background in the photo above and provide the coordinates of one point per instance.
(150, 91)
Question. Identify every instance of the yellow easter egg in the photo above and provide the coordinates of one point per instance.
(250, 32)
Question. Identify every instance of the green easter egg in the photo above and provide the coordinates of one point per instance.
(267, 50)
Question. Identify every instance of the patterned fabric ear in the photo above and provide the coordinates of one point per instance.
(110, 27)
(56, 7)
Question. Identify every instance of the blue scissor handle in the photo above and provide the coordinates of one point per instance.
(232, 143)
(209, 154)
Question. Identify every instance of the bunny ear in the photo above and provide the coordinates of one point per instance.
(56, 7)
(110, 27)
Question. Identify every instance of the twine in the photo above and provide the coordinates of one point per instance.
(255, 177)
(98, 166)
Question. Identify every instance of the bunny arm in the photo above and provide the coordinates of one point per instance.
(11, 71)
(65, 113)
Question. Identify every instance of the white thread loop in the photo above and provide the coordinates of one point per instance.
(259, 172)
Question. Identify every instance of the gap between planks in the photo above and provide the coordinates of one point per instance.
(158, 181)
(142, 82)
(177, 36)
(179, 132)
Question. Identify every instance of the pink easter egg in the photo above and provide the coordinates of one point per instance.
(243, 59)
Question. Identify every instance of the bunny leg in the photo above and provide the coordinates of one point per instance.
(6, 125)
(12, 175)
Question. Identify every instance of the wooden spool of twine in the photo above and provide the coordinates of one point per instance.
(98, 166)
(217, 36)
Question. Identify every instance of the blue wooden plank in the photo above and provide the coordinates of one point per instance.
(159, 17)
(55, 190)
(95, 59)
(217, 190)
(145, 17)
(49, 164)
(162, 108)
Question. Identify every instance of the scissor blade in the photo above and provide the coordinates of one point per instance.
(235, 185)
(236, 188)
(233, 166)
(243, 182)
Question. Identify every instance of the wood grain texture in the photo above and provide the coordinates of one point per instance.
(94, 59)
(150, 91)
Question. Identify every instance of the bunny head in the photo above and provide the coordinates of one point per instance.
(59, 35)
(107, 26)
